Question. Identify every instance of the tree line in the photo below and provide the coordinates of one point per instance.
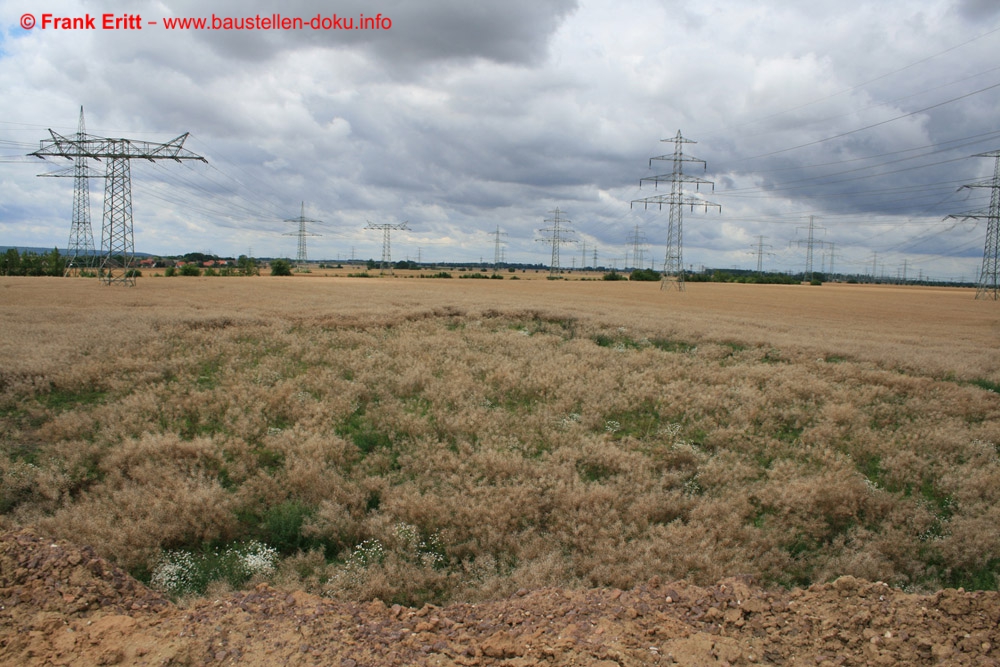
(14, 263)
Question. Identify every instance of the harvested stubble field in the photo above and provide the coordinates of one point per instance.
(434, 441)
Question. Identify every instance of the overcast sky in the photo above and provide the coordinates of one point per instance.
(465, 117)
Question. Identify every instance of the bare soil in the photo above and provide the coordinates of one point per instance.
(61, 604)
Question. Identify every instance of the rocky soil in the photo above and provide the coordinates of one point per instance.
(60, 604)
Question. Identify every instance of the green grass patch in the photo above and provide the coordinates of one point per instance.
(62, 400)
(594, 471)
(671, 345)
(281, 527)
(208, 371)
(362, 433)
(640, 422)
(985, 578)
(617, 342)
(987, 385)
(788, 431)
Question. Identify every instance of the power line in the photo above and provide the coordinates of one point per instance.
(870, 81)
(880, 123)
(988, 285)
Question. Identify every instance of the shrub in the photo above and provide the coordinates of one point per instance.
(281, 267)
(180, 572)
(282, 526)
(614, 275)
(190, 270)
(648, 275)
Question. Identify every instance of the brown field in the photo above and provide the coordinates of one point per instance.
(433, 440)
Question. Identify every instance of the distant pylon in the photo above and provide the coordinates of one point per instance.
(498, 248)
(988, 285)
(117, 238)
(300, 257)
(638, 242)
(558, 237)
(80, 247)
(673, 263)
(386, 243)
(759, 248)
(810, 243)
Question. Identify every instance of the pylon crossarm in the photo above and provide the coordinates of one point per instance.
(98, 147)
(678, 158)
(678, 178)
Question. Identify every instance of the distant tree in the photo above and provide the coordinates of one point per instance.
(198, 257)
(645, 274)
(55, 264)
(281, 267)
(190, 270)
(10, 263)
(32, 265)
(247, 266)
(614, 275)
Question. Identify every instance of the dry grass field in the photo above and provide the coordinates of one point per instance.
(443, 440)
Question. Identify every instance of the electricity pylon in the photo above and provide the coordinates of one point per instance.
(558, 237)
(386, 243)
(637, 240)
(81, 234)
(810, 243)
(988, 285)
(673, 263)
(759, 247)
(498, 248)
(833, 255)
(117, 238)
(300, 258)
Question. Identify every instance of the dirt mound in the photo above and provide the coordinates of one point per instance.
(62, 605)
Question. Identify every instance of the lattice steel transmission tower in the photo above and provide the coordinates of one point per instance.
(498, 257)
(673, 263)
(988, 285)
(117, 238)
(386, 243)
(300, 257)
(80, 248)
(637, 240)
(811, 242)
(558, 232)
(759, 249)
